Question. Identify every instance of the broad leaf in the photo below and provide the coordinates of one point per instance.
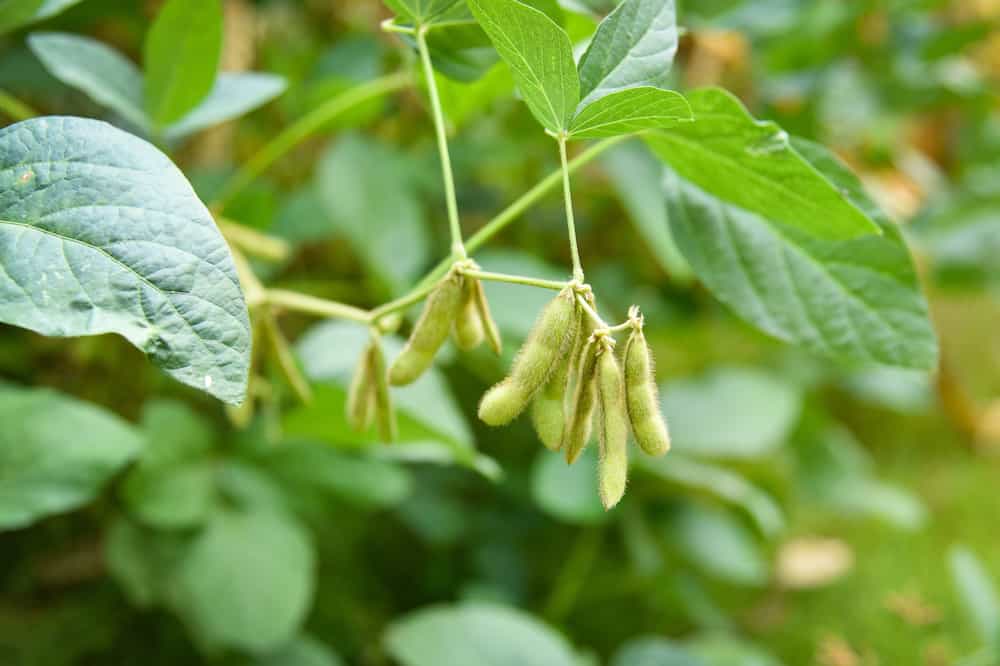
(100, 72)
(628, 111)
(100, 233)
(181, 57)
(857, 300)
(469, 633)
(750, 164)
(634, 46)
(540, 57)
(142, 560)
(230, 97)
(17, 13)
(421, 12)
(977, 593)
(654, 651)
(246, 581)
(718, 544)
(303, 651)
(568, 492)
(56, 453)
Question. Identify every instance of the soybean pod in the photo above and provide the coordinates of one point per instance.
(641, 397)
(548, 413)
(486, 318)
(430, 331)
(468, 331)
(576, 432)
(361, 393)
(612, 430)
(385, 415)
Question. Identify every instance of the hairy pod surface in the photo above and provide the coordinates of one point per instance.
(642, 398)
(385, 415)
(361, 393)
(579, 418)
(548, 410)
(486, 319)
(430, 331)
(535, 362)
(468, 331)
(612, 471)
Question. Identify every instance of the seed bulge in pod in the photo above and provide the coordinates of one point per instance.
(385, 415)
(641, 397)
(535, 362)
(361, 393)
(612, 429)
(468, 331)
(430, 331)
(548, 413)
(579, 418)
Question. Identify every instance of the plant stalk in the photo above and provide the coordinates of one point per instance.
(570, 222)
(555, 285)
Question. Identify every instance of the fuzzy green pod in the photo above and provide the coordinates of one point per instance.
(486, 318)
(430, 331)
(468, 331)
(361, 394)
(385, 415)
(548, 413)
(579, 418)
(642, 399)
(546, 344)
(612, 430)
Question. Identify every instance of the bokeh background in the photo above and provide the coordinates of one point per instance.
(811, 512)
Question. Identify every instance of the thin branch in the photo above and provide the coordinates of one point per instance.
(15, 108)
(292, 300)
(254, 242)
(516, 279)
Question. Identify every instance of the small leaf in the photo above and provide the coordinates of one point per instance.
(977, 592)
(421, 12)
(100, 233)
(540, 57)
(17, 13)
(246, 581)
(750, 164)
(634, 46)
(719, 545)
(142, 560)
(474, 633)
(654, 651)
(628, 111)
(568, 492)
(857, 300)
(56, 453)
(303, 651)
(100, 72)
(232, 96)
(181, 57)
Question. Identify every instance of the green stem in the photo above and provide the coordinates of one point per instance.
(285, 357)
(457, 248)
(516, 279)
(301, 129)
(570, 223)
(15, 108)
(293, 300)
(415, 296)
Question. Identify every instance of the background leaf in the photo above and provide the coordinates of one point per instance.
(181, 57)
(100, 233)
(717, 543)
(633, 46)
(654, 651)
(629, 111)
(56, 453)
(540, 57)
(568, 492)
(17, 13)
(231, 96)
(977, 592)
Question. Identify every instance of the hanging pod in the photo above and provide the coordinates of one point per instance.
(385, 415)
(468, 331)
(361, 393)
(548, 341)
(486, 318)
(612, 429)
(548, 408)
(641, 396)
(579, 417)
(430, 331)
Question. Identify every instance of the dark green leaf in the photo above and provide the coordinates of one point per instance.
(17, 13)
(100, 233)
(540, 57)
(629, 111)
(750, 164)
(232, 96)
(480, 634)
(56, 453)
(634, 46)
(100, 72)
(857, 300)
(181, 57)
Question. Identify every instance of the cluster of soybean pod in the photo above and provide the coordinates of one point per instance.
(566, 371)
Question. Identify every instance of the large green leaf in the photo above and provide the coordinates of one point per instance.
(246, 581)
(634, 46)
(628, 111)
(97, 70)
(480, 634)
(56, 453)
(568, 492)
(750, 164)
(540, 57)
(857, 300)
(17, 13)
(181, 57)
(718, 544)
(100, 233)
(230, 97)
(421, 11)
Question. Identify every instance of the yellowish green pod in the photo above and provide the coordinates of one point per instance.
(468, 331)
(576, 432)
(548, 413)
(612, 430)
(430, 331)
(642, 399)
(486, 319)
(385, 415)
(361, 394)
(546, 344)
